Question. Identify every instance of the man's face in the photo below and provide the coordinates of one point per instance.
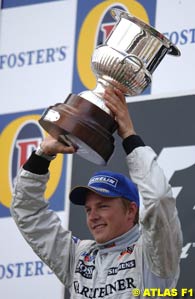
(107, 217)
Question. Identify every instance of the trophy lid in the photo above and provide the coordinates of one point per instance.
(118, 14)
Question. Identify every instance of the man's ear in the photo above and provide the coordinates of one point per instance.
(133, 210)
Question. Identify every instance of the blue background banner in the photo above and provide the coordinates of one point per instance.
(92, 16)
(20, 134)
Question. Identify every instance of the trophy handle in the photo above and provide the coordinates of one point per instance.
(135, 59)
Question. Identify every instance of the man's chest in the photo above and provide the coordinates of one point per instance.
(106, 275)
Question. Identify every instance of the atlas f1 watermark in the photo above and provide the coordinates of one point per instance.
(156, 293)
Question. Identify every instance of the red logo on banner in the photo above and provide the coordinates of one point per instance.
(25, 147)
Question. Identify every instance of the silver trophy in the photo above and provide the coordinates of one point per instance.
(126, 61)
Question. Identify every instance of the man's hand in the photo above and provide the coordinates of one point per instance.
(51, 146)
(115, 101)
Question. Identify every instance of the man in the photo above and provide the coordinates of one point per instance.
(124, 256)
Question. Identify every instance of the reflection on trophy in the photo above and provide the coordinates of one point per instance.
(126, 61)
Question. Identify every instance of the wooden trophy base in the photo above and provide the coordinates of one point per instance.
(84, 125)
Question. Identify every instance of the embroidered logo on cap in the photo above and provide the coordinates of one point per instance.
(103, 179)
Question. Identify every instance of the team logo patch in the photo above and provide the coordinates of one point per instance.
(84, 270)
(117, 287)
(121, 266)
(127, 250)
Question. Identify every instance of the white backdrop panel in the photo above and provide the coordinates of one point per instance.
(36, 55)
(22, 274)
(175, 18)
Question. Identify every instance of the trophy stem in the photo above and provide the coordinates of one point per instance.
(96, 96)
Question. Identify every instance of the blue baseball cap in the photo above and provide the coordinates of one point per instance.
(107, 184)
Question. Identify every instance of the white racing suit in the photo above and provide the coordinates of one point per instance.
(145, 257)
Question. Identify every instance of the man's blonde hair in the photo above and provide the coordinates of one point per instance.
(126, 204)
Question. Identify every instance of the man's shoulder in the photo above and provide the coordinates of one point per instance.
(86, 245)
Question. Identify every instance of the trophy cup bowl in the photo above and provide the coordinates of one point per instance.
(126, 61)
